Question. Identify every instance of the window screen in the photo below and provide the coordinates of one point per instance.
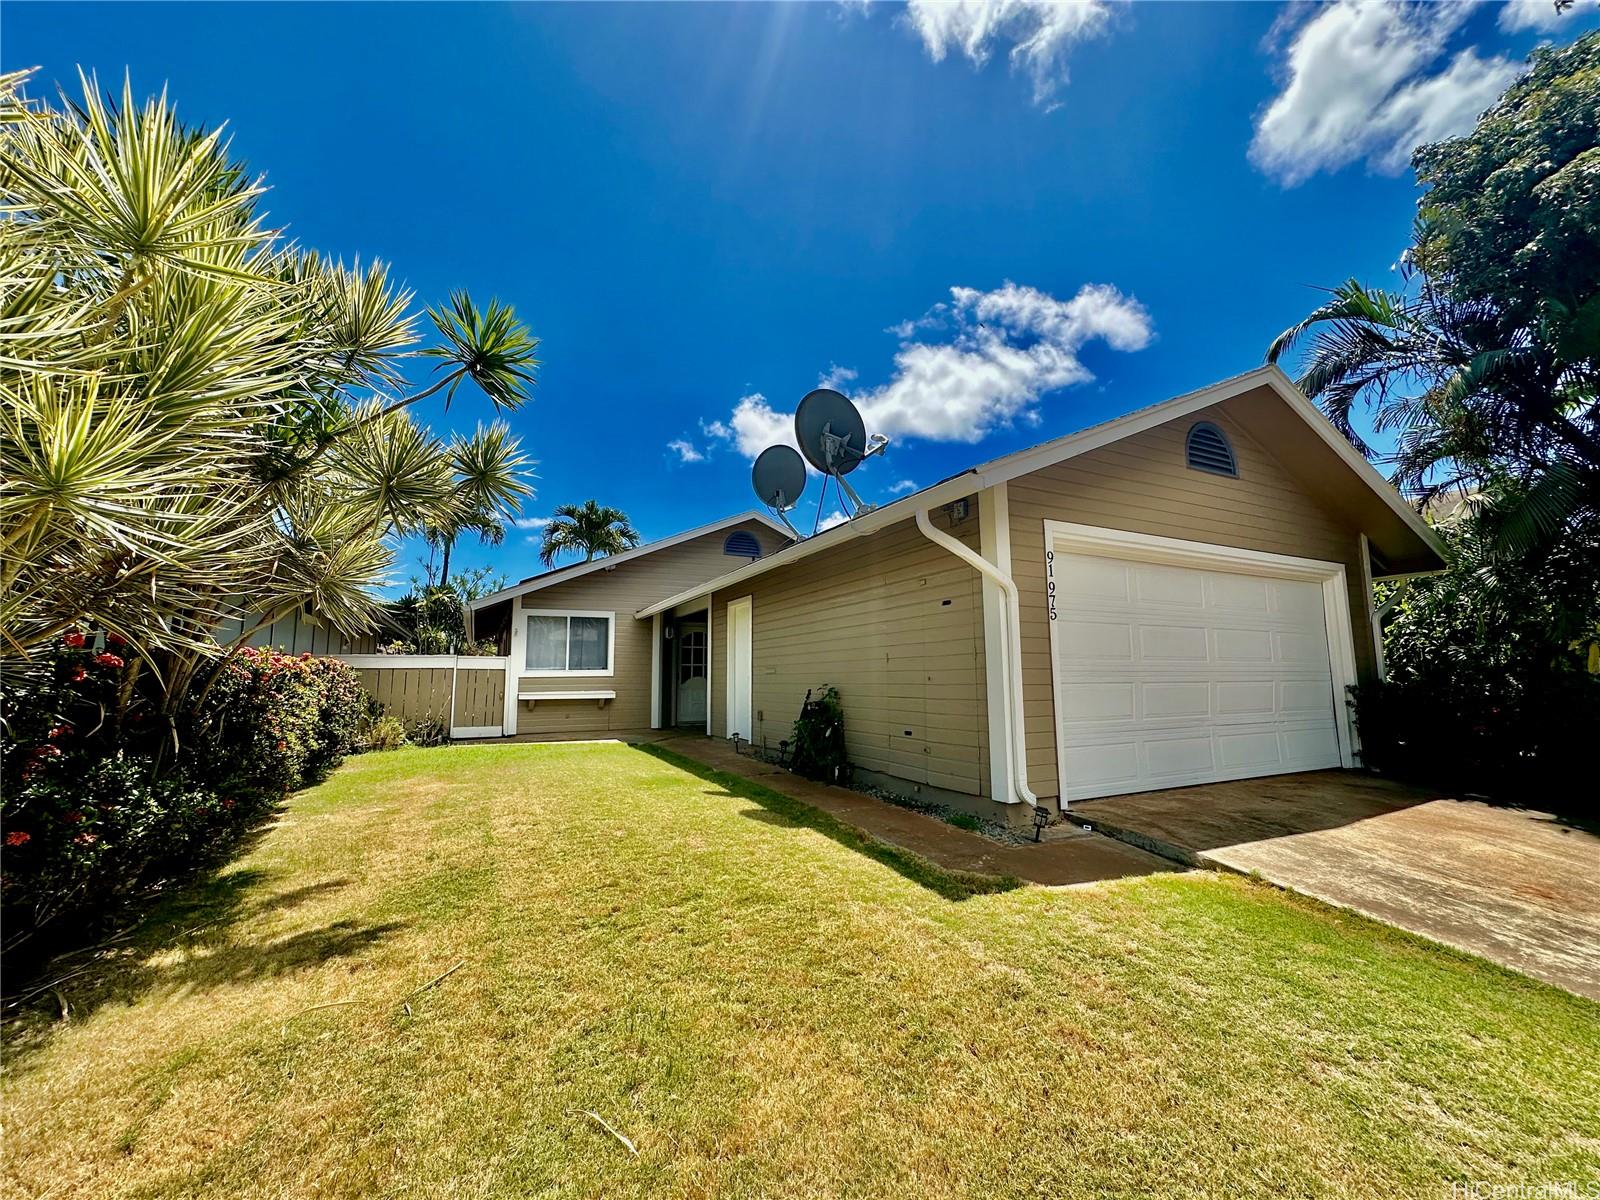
(559, 642)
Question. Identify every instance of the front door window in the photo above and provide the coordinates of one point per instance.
(691, 677)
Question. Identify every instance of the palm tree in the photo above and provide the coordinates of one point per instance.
(1476, 403)
(491, 481)
(588, 529)
(200, 423)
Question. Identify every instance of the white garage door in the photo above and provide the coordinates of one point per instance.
(1169, 675)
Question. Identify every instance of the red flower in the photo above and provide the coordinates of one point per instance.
(47, 751)
(86, 839)
(116, 639)
(227, 802)
(74, 817)
(61, 731)
(109, 660)
(79, 674)
(73, 640)
(305, 656)
(18, 837)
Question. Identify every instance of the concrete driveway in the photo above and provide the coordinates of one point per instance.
(1518, 887)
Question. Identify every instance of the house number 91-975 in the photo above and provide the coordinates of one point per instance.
(1050, 580)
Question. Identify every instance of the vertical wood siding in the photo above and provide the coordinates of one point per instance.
(480, 697)
(623, 591)
(1143, 485)
(412, 693)
(299, 635)
(896, 624)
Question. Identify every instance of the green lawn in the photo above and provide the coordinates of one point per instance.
(765, 1008)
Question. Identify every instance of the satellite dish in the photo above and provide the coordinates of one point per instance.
(779, 477)
(831, 433)
(833, 437)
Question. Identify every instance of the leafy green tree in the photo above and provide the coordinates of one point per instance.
(1484, 365)
(1491, 682)
(588, 529)
(200, 422)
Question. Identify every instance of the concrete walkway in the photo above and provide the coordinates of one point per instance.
(1517, 887)
(1083, 858)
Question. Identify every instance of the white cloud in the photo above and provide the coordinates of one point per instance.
(531, 522)
(1041, 33)
(1363, 79)
(901, 487)
(836, 377)
(685, 450)
(997, 354)
(828, 522)
(1543, 15)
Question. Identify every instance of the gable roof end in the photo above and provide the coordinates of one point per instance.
(1024, 462)
(577, 570)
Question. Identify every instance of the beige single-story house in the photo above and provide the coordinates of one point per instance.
(1175, 597)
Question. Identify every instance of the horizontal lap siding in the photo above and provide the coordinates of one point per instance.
(623, 591)
(867, 618)
(1141, 484)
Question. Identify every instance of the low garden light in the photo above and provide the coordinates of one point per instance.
(1041, 818)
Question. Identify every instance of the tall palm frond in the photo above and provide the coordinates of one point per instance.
(589, 529)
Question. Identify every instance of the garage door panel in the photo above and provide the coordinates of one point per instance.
(1242, 646)
(1108, 767)
(1172, 643)
(1097, 579)
(1169, 586)
(1168, 676)
(1098, 702)
(1080, 641)
(1178, 757)
(1175, 700)
(1237, 593)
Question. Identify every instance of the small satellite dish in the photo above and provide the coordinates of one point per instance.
(779, 477)
(831, 433)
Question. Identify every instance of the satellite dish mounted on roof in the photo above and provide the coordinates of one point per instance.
(779, 477)
(834, 439)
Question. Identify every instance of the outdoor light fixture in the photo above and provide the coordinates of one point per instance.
(1041, 818)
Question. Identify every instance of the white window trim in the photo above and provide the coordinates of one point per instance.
(611, 643)
(1146, 547)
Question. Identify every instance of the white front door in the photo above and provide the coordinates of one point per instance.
(740, 667)
(1169, 675)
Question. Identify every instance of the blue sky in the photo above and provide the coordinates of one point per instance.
(1002, 222)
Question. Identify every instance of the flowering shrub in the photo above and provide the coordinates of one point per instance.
(274, 722)
(96, 797)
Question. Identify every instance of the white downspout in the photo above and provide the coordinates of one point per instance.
(1011, 612)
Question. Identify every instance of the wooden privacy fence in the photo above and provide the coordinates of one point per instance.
(473, 696)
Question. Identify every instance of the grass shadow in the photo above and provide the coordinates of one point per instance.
(777, 809)
(185, 939)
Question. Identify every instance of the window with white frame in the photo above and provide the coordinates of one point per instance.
(569, 643)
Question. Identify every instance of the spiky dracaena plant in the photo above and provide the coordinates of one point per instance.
(203, 427)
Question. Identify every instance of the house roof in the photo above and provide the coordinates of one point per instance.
(576, 570)
(1410, 545)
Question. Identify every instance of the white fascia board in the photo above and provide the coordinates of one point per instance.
(901, 510)
(562, 575)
